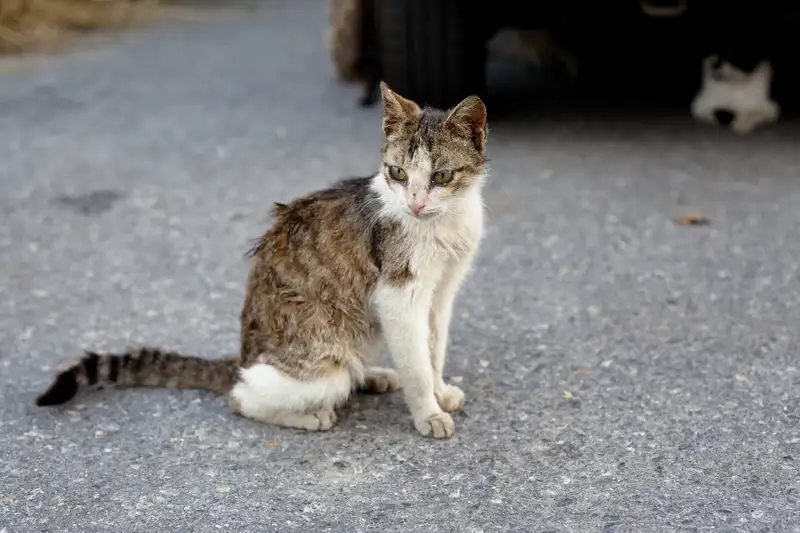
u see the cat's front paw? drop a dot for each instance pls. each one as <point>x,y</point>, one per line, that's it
<point>437,425</point>
<point>450,398</point>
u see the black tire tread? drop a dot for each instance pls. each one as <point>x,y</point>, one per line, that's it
<point>431,50</point>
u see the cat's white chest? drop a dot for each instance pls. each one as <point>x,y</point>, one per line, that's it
<point>440,246</point>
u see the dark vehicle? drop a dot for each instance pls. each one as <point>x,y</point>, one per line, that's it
<point>434,51</point>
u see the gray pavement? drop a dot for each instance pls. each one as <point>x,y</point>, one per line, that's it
<point>623,373</point>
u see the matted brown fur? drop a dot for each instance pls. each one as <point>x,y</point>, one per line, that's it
<point>311,280</point>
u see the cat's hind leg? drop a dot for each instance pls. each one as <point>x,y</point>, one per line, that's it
<point>379,380</point>
<point>265,394</point>
<point>376,379</point>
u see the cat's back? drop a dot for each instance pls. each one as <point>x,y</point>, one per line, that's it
<point>320,238</point>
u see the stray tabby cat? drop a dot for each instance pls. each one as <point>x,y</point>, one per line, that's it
<point>342,271</point>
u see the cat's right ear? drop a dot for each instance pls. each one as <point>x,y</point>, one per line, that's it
<point>396,109</point>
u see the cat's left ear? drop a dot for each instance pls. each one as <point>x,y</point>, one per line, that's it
<point>468,119</point>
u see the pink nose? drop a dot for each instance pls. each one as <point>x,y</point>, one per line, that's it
<point>416,207</point>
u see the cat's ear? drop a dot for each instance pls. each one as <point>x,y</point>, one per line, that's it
<point>468,119</point>
<point>396,109</point>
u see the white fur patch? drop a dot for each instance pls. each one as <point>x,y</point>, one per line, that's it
<point>725,88</point>
<point>447,240</point>
<point>263,390</point>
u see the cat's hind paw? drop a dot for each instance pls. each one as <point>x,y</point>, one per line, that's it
<point>380,381</point>
<point>450,398</point>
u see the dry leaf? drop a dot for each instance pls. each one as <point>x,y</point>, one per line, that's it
<point>568,396</point>
<point>272,443</point>
<point>692,219</point>
<point>740,377</point>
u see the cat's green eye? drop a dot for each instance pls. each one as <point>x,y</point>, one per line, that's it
<point>397,174</point>
<point>443,177</point>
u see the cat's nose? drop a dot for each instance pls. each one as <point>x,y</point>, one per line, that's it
<point>724,117</point>
<point>416,200</point>
<point>416,207</point>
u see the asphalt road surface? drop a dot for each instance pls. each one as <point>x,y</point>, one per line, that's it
<point>623,372</point>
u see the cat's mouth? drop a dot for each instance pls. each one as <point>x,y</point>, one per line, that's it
<point>424,214</point>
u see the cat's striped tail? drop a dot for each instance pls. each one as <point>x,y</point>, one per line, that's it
<point>142,367</point>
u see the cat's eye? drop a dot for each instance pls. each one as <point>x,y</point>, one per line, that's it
<point>397,174</point>
<point>442,177</point>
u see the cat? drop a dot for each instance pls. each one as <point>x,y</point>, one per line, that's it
<point>343,271</point>
<point>736,94</point>
<point>749,78</point>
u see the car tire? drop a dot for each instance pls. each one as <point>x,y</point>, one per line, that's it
<point>431,51</point>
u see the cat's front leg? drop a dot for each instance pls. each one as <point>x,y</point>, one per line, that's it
<point>450,397</point>
<point>404,312</point>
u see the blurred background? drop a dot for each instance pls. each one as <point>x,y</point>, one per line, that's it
<point>627,340</point>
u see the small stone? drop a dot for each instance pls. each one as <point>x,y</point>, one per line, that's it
<point>223,490</point>
<point>457,379</point>
<point>99,434</point>
<point>568,396</point>
<point>484,363</point>
<point>692,219</point>
<point>740,377</point>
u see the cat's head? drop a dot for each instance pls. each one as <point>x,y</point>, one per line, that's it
<point>736,69</point>
<point>432,159</point>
